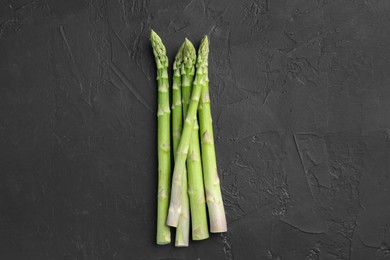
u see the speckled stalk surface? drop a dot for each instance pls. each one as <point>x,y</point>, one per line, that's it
<point>163,235</point>
<point>183,227</point>
<point>196,193</point>
<point>214,199</point>
<point>182,151</point>
<point>300,99</point>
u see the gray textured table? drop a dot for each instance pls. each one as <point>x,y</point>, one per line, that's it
<point>301,104</point>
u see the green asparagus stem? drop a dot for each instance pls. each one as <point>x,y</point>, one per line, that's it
<point>194,164</point>
<point>163,139</point>
<point>211,180</point>
<point>177,107</point>
<point>182,151</point>
<point>183,227</point>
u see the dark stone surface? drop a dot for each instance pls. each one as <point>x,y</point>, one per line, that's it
<point>301,105</point>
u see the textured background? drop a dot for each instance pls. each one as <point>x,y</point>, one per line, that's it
<point>301,105</point>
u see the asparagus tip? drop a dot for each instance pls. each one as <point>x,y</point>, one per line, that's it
<point>203,52</point>
<point>189,54</point>
<point>188,44</point>
<point>204,42</point>
<point>158,48</point>
<point>179,58</point>
<point>153,35</point>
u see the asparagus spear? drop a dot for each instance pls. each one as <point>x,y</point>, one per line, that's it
<point>211,180</point>
<point>183,227</point>
<point>177,106</point>
<point>163,139</point>
<point>194,164</point>
<point>182,151</point>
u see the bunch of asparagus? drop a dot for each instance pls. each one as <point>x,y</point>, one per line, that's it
<point>195,178</point>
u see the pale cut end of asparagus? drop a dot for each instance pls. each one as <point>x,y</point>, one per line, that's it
<point>216,209</point>
<point>174,214</point>
<point>183,227</point>
<point>164,240</point>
